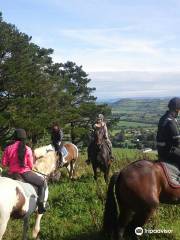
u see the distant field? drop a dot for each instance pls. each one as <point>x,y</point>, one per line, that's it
<point>134,124</point>
<point>77,206</point>
<point>144,105</point>
<point>139,110</point>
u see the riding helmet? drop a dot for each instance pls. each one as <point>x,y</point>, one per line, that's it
<point>174,103</point>
<point>100,117</point>
<point>20,134</point>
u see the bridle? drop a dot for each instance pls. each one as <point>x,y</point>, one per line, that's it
<point>99,133</point>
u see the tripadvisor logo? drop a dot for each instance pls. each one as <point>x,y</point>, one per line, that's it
<point>139,231</point>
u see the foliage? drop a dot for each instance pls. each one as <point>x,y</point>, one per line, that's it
<point>35,92</point>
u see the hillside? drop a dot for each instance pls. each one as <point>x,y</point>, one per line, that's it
<point>140,110</point>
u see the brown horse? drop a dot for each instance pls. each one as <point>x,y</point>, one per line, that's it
<point>69,161</point>
<point>100,157</point>
<point>137,191</point>
<point>48,162</point>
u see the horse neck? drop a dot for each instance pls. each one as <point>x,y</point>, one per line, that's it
<point>47,164</point>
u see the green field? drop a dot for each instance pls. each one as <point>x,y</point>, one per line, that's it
<point>77,207</point>
<point>139,110</point>
<point>132,124</point>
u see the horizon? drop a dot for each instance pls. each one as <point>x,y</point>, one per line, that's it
<point>114,100</point>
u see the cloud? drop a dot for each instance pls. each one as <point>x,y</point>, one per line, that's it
<point>135,84</point>
<point>112,49</point>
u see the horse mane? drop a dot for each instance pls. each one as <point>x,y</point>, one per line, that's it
<point>47,163</point>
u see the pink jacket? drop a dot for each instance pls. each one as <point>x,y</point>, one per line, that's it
<point>10,159</point>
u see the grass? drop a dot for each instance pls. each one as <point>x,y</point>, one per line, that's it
<point>133,124</point>
<point>77,206</point>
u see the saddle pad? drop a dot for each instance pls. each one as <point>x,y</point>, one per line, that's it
<point>172,173</point>
<point>64,152</point>
<point>28,189</point>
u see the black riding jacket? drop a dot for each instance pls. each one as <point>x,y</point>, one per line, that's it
<point>168,137</point>
<point>56,138</point>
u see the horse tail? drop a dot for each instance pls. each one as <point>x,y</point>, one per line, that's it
<point>111,208</point>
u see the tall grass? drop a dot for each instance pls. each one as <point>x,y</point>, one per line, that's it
<point>77,206</point>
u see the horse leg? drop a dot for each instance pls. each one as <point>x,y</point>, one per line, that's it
<point>106,175</point>
<point>74,172</point>
<point>122,223</point>
<point>25,228</point>
<point>71,170</point>
<point>95,171</point>
<point>139,219</point>
<point>36,228</point>
<point>4,218</point>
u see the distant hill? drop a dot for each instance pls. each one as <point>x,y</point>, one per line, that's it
<point>144,104</point>
<point>141,110</point>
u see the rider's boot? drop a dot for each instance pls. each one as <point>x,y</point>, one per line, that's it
<point>60,159</point>
<point>111,156</point>
<point>41,208</point>
<point>41,202</point>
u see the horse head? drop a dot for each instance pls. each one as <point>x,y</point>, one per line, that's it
<point>46,164</point>
<point>99,136</point>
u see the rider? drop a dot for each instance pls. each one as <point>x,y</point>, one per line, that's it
<point>100,123</point>
<point>168,135</point>
<point>56,138</point>
<point>18,157</point>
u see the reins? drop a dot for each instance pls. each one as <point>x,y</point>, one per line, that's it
<point>45,175</point>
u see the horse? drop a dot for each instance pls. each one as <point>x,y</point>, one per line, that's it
<point>47,164</point>
<point>100,156</point>
<point>136,191</point>
<point>18,201</point>
<point>48,161</point>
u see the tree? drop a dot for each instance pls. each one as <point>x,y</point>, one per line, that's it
<point>24,83</point>
<point>77,105</point>
<point>34,91</point>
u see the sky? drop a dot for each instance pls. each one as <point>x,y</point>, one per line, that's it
<point>129,48</point>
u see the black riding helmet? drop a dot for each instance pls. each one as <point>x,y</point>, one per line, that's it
<point>174,104</point>
<point>19,134</point>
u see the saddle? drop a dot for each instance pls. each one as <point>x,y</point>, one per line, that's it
<point>172,173</point>
<point>27,189</point>
<point>62,155</point>
<point>64,152</point>
<point>30,192</point>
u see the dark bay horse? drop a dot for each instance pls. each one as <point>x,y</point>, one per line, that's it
<point>136,192</point>
<point>100,157</point>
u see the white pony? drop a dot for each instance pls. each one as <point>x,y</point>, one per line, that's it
<point>47,161</point>
<point>18,200</point>
<point>42,151</point>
